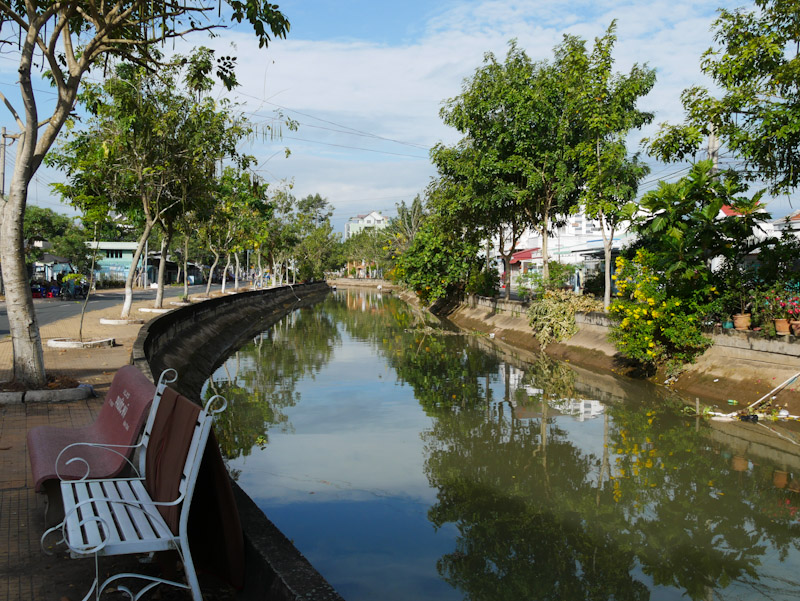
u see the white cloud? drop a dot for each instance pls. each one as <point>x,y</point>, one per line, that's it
<point>396,91</point>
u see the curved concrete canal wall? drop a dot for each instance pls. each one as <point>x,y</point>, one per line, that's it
<point>195,340</point>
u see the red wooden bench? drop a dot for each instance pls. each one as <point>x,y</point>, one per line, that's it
<point>99,450</point>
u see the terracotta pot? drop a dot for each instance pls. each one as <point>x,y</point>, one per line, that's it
<point>780,479</point>
<point>781,326</point>
<point>741,321</point>
<point>795,325</point>
<point>739,463</point>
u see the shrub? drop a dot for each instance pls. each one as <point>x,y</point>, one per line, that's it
<point>654,327</point>
<point>484,283</point>
<point>532,282</point>
<point>552,317</point>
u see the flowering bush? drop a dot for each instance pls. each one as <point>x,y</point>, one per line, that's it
<point>777,303</point>
<point>654,327</point>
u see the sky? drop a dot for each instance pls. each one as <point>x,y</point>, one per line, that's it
<point>365,81</point>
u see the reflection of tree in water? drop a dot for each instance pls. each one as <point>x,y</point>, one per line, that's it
<point>259,380</point>
<point>539,518</point>
<point>699,522</point>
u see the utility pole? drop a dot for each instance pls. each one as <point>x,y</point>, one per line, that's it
<point>713,149</point>
<point>3,163</point>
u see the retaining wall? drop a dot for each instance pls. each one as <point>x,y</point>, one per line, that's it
<point>195,340</point>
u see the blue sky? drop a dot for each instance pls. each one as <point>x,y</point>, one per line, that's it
<point>365,80</point>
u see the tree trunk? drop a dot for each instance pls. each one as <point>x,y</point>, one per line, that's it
<point>22,323</point>
<point>162,268</point>
<point>545,253</point>
<point>236,273</point>
<point>89,288</point>
<point>211,271</point>
<point>225,272</point>
<point>186,268</point>
<point>126,305</point>
<point>608,240</point>
<point>507,276</point>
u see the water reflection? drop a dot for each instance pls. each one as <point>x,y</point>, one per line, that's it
<point>407,462</point>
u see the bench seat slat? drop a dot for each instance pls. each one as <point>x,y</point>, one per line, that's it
<point>102,510</point>
<point>126,529</point>
<point>132,529</point>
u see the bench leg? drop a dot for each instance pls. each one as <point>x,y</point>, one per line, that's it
<point>53,504</point>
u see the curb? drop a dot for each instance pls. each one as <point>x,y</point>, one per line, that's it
<point>120,322</point>
<point>153,310</point>
<point>70,343</point>
<point>46,396</point>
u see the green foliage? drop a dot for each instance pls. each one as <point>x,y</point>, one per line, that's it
<point>683,231</point>
<point>552,317</point>
<point>533,282</point>
<point>754,65</point>
<point>485,282</point>
<point>438,263</point>
<point>654,326</point>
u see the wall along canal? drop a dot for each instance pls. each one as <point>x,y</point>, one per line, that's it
<point>409,461</point>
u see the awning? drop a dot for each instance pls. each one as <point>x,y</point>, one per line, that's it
<point>524,255</point>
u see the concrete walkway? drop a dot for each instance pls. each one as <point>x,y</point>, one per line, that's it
<point>26,573</point>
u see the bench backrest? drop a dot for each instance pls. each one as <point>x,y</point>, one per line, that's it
<point>126,406</point>
<point>167,377</point>
<point>176,442</point>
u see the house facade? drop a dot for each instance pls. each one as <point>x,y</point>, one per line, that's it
<point>578,242</point>
<point>359,223</point>
<point>114,260</point>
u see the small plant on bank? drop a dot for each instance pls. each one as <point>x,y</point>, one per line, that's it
<point>484,283</point>
<point>532,283</point>
<point>653,327</point>
<point>552,317</point>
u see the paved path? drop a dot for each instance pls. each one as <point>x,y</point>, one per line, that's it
<point>26,573</point>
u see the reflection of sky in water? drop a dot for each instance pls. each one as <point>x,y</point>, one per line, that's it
<point>348,485</point>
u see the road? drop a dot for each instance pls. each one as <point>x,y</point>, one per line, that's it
<point>49,310</point>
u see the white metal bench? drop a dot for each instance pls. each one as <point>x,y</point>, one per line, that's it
<point>118,516</point>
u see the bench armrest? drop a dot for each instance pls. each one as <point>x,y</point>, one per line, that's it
<point>111,448</point>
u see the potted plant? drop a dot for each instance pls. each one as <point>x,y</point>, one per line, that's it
<point>737,282</point>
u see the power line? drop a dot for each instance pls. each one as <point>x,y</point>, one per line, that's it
<point>346,127</point>
<point>413,156</point>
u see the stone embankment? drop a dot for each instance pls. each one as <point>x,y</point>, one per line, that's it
<point>741,366</point>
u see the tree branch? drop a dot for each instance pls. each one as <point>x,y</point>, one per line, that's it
<point>13,111</point>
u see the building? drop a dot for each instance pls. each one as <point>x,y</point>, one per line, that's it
<point>114,259</point>
<point>373,220</point>
<point>579,241</point>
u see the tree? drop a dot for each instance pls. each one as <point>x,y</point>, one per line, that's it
<point>608,105</point>
<point>42,225</point>
<point>72,37</point>
<point>522,125</point>
<point>316,247</point>
<point>755,65</point>
<point>442,255</point>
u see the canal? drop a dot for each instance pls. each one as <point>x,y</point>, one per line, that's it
<point>407,460</point>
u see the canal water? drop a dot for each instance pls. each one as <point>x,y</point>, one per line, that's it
<point>407,460</point>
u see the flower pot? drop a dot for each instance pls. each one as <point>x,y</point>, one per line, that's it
<point>795,326</point>
<point>781,326</point>
<point>741,321</point>
<point>739,463</point>
<point>780,479</point>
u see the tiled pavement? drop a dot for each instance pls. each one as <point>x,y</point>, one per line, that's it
<point>26,573</point>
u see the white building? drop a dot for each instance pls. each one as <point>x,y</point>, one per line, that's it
<point>578,242</point>
<point>373,220</point>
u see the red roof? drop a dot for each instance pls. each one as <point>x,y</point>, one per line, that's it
<point>729,211</point>
<point>523,255</point>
